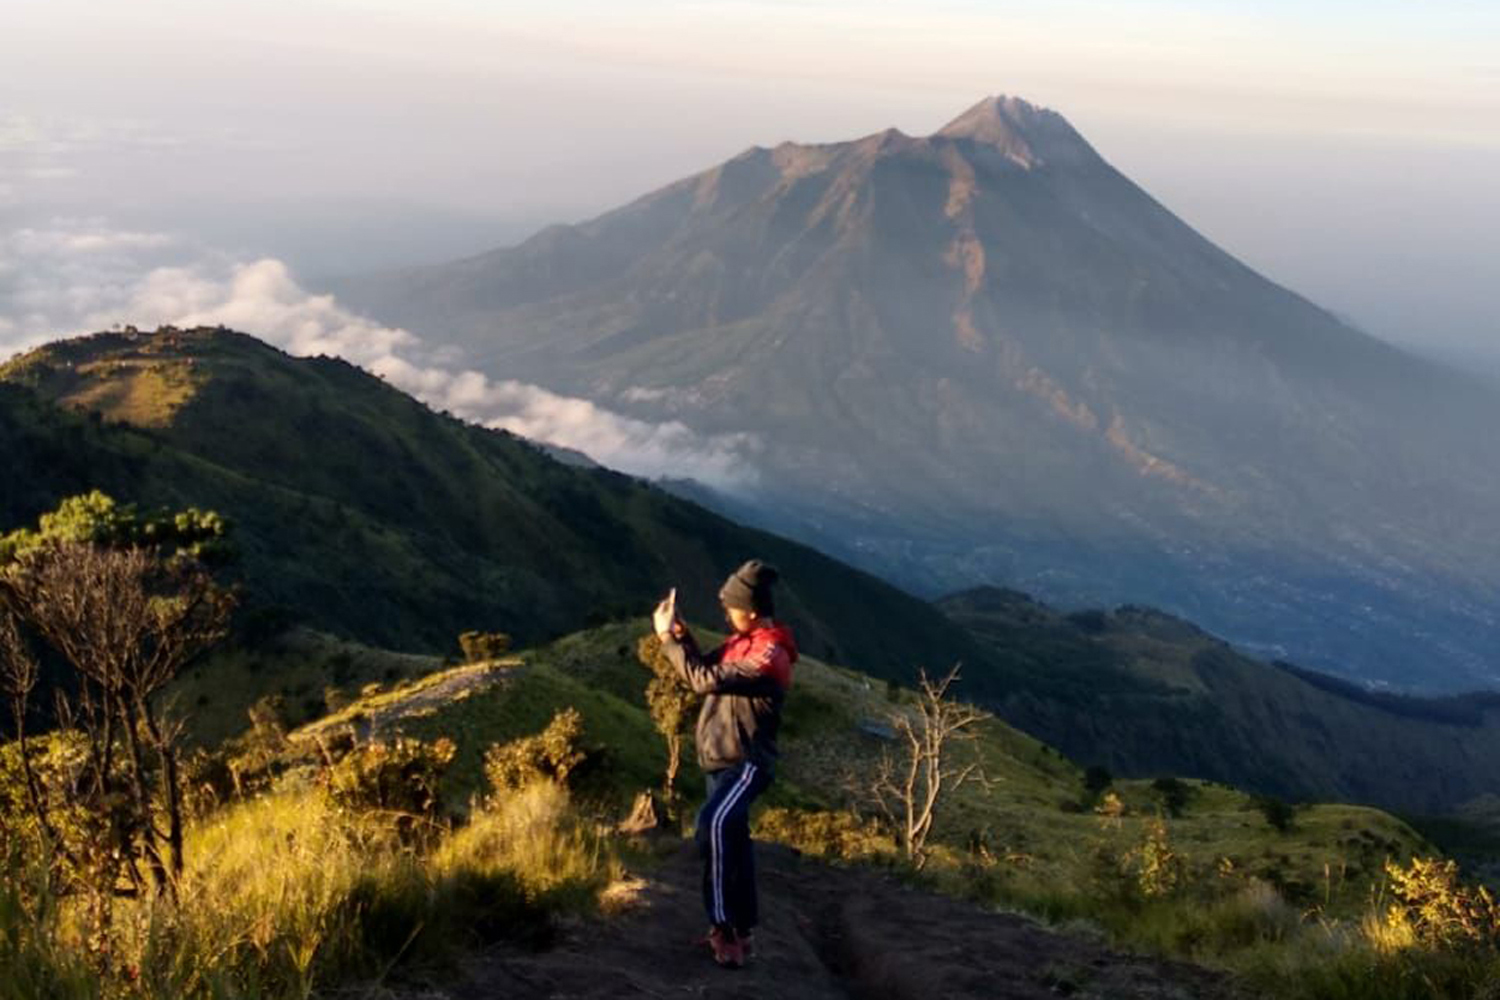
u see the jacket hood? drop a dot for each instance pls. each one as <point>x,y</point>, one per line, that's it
<point>782,635</point>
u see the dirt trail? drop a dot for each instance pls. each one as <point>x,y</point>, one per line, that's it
<point>826,932</point>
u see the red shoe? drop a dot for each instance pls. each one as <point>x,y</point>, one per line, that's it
<point>747,943</point>
<point>728,952</point>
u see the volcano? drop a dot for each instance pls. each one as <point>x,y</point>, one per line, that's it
<point>986,355</point>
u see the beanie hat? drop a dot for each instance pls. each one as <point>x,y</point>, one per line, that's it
<point>749,588</point>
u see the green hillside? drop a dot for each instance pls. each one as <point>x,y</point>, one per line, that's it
<point>1145,693</point>
<point>1035,821</point>
<point>310,876</point>
<point>361,512</point>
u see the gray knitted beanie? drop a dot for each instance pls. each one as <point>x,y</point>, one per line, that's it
<point>749,588</point>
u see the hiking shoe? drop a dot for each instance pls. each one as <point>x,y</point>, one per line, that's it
<point>728,952</point>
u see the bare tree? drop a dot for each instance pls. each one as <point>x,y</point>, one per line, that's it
<point>127,620</point>
<point>910,785</point>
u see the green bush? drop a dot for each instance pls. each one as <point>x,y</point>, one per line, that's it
<point>1173,793</point>
<point>1278,812</point>
<point>480,646</point>
<point>399,777</point>
<point>551,755</point>
<point>1096,779</point>
<point>837,835</point>
<point>672,705</point>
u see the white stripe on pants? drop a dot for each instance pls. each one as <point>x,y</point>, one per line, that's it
<point>716,839</point>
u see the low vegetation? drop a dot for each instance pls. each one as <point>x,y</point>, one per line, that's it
<point>346,872</point>
<point>429,815</point>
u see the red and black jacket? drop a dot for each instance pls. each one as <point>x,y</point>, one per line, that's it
<point>744,682</point>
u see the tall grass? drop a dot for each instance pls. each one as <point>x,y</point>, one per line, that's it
<point>533,835</point>
<point>1272,947</point>
<point>288,894</point>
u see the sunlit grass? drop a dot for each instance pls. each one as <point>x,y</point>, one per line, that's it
<point>287,895</point>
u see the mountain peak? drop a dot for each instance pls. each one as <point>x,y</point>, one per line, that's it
<point>1028,134</point>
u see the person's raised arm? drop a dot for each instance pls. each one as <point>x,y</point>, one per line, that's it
<point>710,673</point>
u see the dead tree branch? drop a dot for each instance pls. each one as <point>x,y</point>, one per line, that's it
<point>910,786</point>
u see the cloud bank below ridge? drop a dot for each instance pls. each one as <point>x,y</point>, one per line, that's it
<point>76,276</point>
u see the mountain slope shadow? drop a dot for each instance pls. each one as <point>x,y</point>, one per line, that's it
<point>826,932</point>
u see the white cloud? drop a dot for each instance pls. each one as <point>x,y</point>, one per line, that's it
<point>78,276</point>
<point>70,240</point>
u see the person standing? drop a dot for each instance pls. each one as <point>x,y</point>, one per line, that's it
<point>744,682</point>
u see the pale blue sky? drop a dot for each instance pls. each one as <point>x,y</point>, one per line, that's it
<point>1346,149</point>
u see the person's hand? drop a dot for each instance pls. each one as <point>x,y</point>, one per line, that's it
<point>664,618</point>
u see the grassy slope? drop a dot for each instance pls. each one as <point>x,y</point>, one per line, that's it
<point>1145,694</point>
<point>310,675</point>
<point>1031,817</point>
<point>360,511</point>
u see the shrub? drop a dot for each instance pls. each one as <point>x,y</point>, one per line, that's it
<point>56,759</point>
<point>1096,779</point>
<point>1111,809</point>
<point>671,703</point>
<point>1158,868</point>
<point>550,755</point>
<point>1433,908</point>
<point>1278,812</point>
<point>480,646</point>
<point>400,777</point>
<point>1173,793</point>
<point>839,835</point>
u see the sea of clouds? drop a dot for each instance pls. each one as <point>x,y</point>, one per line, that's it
<point>79,275</point>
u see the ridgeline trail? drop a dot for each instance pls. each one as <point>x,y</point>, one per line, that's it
<point>826,932</point>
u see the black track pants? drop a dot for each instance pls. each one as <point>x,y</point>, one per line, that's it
<point>724,844</point>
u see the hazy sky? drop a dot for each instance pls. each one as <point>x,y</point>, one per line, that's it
<point>1350,150</point>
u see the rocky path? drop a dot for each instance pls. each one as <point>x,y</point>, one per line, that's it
<point>826,932</point>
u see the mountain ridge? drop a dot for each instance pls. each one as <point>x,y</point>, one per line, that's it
<point>362,512</point>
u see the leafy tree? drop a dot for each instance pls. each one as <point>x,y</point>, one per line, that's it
<point>95,518</point>
<point>126,608</point>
